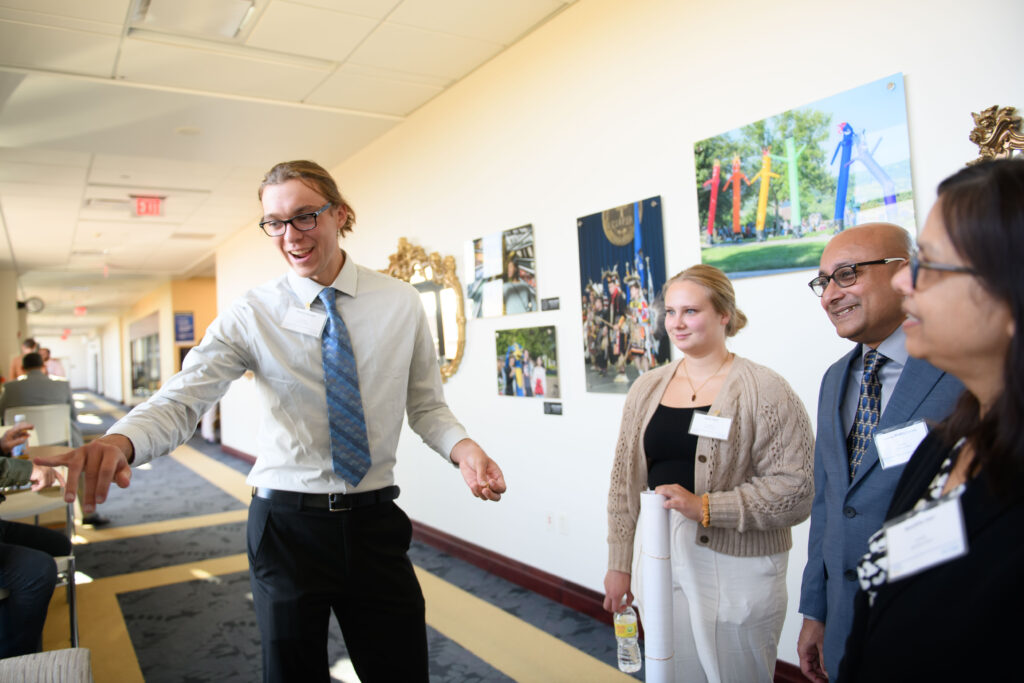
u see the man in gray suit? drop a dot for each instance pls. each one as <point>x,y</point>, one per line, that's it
<point>36,389</point>
<point>875,387</point>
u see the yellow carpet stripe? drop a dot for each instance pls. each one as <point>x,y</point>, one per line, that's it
<point>520,650</point>
<point>90,535</point>
<point>229,480</point>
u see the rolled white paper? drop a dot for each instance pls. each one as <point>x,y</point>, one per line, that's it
<point>656,588</point>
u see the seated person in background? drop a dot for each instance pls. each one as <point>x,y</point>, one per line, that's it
<point>53,367</point>
<point>949,615</point>
<point>28,346</point>
<point>27,569</point>
<point>36,389</point>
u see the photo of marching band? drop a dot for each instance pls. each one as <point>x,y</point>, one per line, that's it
<point>622,270</point>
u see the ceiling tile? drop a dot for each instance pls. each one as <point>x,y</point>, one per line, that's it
<point>38,47</point>
<point>180,66</point>
<point>377,9</point>
<point>369,93</point>
<point>110,169</point>
<point>416,51</point>
<point>497,22</point>
<point>109,11</point>
<point>19,173</point>
<point>310,31</point>
<point>120,120</point>
<point>51,157</point>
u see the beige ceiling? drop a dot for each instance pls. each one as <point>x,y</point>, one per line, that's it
<point>99,105</point>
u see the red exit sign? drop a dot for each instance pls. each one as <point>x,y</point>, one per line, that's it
<point>148,206</point>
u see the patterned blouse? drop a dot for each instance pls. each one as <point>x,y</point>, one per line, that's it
<point>873,569</point>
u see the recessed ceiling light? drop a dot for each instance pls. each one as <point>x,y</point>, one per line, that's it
<point>206,18</point>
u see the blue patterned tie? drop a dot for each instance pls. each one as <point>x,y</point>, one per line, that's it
<point>869,407</point>
<point>350,451</point>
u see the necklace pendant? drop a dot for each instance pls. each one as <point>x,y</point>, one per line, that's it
<point>694,397</point>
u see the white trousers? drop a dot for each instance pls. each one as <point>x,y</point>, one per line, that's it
<point>727,611</point>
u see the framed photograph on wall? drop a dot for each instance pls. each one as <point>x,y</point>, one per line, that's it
<point>527,362</point>
<point>771,194</point>
<point>501,273</point>
<point>622,271</point>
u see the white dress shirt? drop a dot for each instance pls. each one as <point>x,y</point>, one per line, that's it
<point>395,357</point>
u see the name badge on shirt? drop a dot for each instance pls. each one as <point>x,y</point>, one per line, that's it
<point>896,444</point>
<point>304,322</point>
<point>710,426</point>
<point>924,538</point>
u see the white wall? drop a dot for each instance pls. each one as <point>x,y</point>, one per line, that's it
<point>600,107</point>
<point>247,259</point>
<point>73,355</point>
<point>110,362</point>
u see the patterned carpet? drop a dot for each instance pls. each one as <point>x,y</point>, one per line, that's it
<point>166,591</point>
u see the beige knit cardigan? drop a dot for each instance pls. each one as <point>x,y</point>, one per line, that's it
<point>760,480</point>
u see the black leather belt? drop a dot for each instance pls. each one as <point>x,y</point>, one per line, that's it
<point>335,502</point>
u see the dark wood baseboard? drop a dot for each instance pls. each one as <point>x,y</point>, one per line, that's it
<point>238,454</point>
<point>788,673</point>
<point>567,593</point>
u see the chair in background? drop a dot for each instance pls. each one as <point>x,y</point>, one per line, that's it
<point>52,422</point>
<point>54,666</point>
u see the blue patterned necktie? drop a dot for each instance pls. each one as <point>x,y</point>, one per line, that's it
<point>869,407</point>
<point>350,450</point>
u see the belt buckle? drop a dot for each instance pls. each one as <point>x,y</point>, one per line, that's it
<point>336,503</point>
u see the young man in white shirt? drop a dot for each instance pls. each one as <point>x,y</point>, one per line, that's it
<point>319,541</point>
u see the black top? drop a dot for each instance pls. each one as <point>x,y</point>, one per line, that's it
<point>956,621</point>
<point>671,449</point>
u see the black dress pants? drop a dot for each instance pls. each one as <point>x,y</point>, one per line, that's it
<point>304,564</point>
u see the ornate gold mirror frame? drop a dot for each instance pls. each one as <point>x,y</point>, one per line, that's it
<point>997,133</point>
<point>435,278</point>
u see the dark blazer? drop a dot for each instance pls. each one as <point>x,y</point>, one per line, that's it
<point>846,513</point>
<point>957,621</point>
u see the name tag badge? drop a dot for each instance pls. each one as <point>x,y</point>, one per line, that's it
<point>896,444</point>
<point>924,538</point>
<point>711,426</point>
<point>304,322</point>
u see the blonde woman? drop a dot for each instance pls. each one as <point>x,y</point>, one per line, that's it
<point>732,500</point>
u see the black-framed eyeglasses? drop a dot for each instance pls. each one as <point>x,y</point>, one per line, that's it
<point>845,276</point>
<point>303,222</point>
<point>916,264</point>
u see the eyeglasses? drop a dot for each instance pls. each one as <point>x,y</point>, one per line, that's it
<point>916,264</point>
<point>303,222</point>
<point>845,276</point>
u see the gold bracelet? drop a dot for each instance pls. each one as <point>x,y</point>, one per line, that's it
<point>706,507</point>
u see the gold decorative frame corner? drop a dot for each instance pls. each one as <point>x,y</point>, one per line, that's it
<point>997,133</point>
<point>410,260</point>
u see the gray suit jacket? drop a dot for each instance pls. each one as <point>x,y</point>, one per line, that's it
<point>36,389</point>
<point>846,513</point>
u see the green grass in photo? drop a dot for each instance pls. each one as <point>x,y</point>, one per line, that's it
<point>737,258</point>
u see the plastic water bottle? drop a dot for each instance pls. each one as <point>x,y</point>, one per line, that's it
<point>626,633</point>
<point>18,450</point>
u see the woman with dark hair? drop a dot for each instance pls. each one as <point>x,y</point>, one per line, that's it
<point>942,581</point>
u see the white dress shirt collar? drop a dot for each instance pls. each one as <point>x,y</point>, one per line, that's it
<point>308,290</point>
